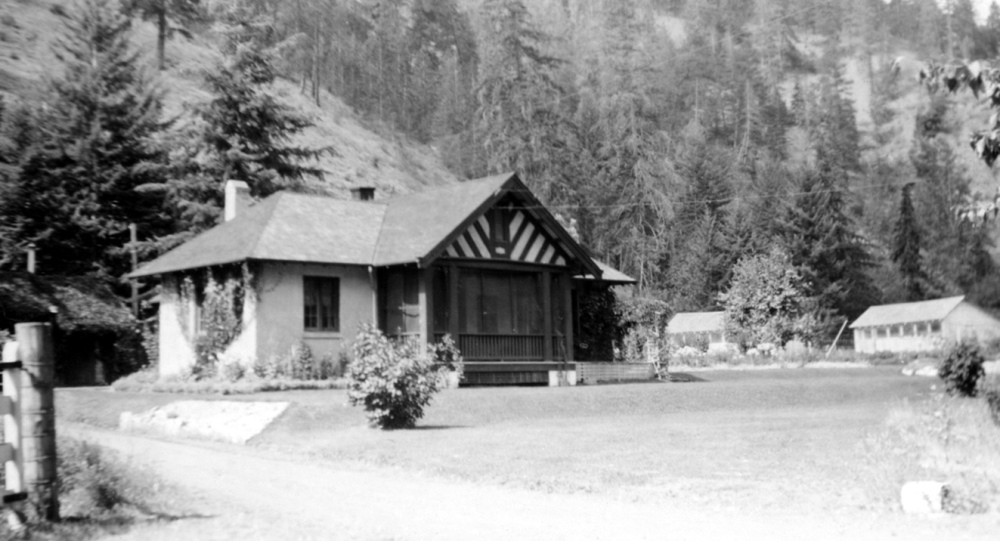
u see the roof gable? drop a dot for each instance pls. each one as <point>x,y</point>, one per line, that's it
<point>907,312</point>
<point>527,240</point>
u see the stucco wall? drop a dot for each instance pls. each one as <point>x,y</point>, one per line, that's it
<point>176,352</point>
<point>279,322</point>
<point>970,322</point>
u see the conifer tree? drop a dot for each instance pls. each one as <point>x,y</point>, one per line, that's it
<point>76,190</point>
<point>518,118</point>
<point>243,133</point>
<point>822,240</point>
<point>170,16</point>
<point>632,178</point>
<point>906,248</point>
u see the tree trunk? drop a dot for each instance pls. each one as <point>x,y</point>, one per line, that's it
<point>161,37</point>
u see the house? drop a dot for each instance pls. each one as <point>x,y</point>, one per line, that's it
<point>482,260</point>
<point>92,327</point>
<point>922,326</point>
<point>703,330</point>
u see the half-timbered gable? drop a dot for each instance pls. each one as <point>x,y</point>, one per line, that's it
<point>512,234</point>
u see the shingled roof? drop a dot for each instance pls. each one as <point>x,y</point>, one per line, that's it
<point>907,312</point>
<point>80,303</point>
<point>318,229</point>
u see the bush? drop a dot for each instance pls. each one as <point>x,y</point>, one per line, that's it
<point>990,390</point>
<point>446,354</point>
<point>962,369</point>
<point>94,481</point>
<point>392,380</point>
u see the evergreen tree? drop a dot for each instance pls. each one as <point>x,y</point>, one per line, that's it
<point>518,118</point>
<point>906,248</point>
<point>170,16</point>
<point>245,134</point>
<point>76,189</point>
<point>632,178</point>
<point>823,242</point>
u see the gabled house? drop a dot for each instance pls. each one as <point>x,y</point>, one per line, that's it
<point>482,260</point>
<point>922,326</point>
<point>697,329</point>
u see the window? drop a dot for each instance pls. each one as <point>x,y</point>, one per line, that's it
<point>881,332</point>
<point>322,303</point>
<point>935,326</point>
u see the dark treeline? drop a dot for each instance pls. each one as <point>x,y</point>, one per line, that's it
<point>675,157</point>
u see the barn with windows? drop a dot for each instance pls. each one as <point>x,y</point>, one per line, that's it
<point>482,260</point>
<point>698,329</point>
<point>922,326</point>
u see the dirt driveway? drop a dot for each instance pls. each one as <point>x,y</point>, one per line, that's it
<point>247,494</point>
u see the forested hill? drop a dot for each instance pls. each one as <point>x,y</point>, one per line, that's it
<point>682,136</point>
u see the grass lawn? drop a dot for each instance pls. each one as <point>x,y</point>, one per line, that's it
<point>770,439</point>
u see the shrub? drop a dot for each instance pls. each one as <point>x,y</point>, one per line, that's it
<point>962,369</point>
<point>151,343</point>
<point>303,364</point>
<point>990,389</point>
<point>232,371</point>
<point>392,380</point>
<point>94,481</point>
<point>446,354</point>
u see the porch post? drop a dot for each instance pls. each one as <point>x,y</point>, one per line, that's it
<point>547,314</point>
<point>425,298</point>
<point>453,324</point>
<point>567,288</point>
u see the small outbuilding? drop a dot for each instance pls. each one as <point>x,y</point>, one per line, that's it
<point>922,326</point>
<point>698,329</point>
<point>97,339</point>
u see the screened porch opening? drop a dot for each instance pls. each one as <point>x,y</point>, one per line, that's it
<point>500,313</point>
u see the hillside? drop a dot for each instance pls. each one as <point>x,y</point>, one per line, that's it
<point>364,154</point>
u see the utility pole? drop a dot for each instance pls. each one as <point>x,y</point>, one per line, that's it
<point>133,238</point>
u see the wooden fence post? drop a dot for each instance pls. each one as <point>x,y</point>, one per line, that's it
<point>38,423</point>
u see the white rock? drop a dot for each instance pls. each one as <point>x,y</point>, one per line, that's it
<point>991,367</point>
<point>231,421</point>
<point>922,497</point>
<point>921,368</point>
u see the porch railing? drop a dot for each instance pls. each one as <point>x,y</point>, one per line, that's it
<point>506,347</point>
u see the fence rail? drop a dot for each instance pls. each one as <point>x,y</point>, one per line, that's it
<point>506,347</point>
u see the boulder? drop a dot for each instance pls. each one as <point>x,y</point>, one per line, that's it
<point>923,497</point>
<point>921,367</point>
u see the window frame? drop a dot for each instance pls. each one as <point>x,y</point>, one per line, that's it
<point>317,293</point>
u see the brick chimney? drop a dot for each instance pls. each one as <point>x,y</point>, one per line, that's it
<point>363,193</point>
<point>237,198</point>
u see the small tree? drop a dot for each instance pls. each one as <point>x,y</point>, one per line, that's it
<point>906,248</point>
<point>392,380</point>
<point>962,369</point>
<point>766,301</point>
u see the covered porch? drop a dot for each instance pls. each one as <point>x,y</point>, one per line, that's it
<point>512,321</point>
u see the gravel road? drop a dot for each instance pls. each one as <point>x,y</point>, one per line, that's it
<point>241,493</point>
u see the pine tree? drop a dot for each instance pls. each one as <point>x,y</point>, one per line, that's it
<point>248,130</point>
<point>519,121</point>
<point>906,248</point>
<point>76,190</point>
<point>170,17</point>
<point>632,178</point>
<point>822,240</point>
